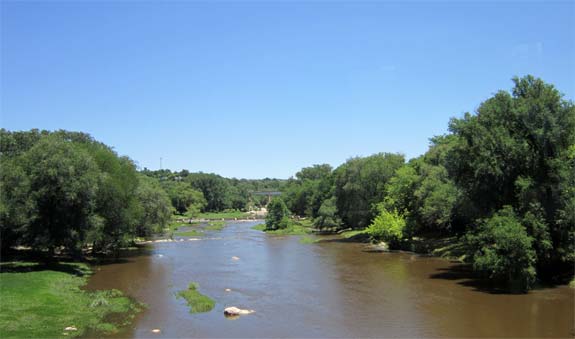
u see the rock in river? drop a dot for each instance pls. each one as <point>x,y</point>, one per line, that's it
<point>234,311</point>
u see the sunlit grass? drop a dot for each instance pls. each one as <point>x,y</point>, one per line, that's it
<point>197,301</point>
<point>41,301</point>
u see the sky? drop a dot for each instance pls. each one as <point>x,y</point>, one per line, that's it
<point>262,89</point>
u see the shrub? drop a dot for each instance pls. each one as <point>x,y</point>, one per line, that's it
<point>278,213</point>
<point>502,249</point>
<point>387,226</point>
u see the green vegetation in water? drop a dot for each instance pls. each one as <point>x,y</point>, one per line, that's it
<point>215,226</point>
<point>176,225</point>
<point>354,234</point>
<point>41,301</point>
<point>198,302</point>
<point>259,227</point>
<point>190,233</point>
<point>293,228</point>
<point>308,240</point>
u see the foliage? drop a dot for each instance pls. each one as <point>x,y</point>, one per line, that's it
<point>155,207</point>
<point>198,302</point>
<point>516,151</point>
<point>184,198</point>
<point>327,215</point>
<point>278,215</point>
<point>64,190</point>
<point>360,184</point>
<point>305,194</point>
<point>502,249</point>
<point>387,226</point>
<point>39,302</point>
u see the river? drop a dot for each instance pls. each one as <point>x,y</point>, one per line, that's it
<point>325,289</point>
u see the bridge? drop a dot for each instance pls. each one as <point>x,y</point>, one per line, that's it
<point>269,194</point>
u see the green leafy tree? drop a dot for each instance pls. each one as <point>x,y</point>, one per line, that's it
<point>305,194</point>
<point>216,190</point>
<point>502,249</point>
<point>16,205</point>
<point>184,198</point>
<point>360,185</point>
<point>63,187</point>
<point>327,215</point>
<point>387,226</point>
<point>155,207</point>
<point>278,215</point>
<point>515,151</point>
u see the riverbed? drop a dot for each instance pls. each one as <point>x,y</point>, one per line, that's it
<point>325,289</point>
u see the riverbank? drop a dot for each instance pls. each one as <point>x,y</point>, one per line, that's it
<point>48,301</point>
<point>299,227</point>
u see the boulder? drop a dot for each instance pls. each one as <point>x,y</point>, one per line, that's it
<point>234,311</point>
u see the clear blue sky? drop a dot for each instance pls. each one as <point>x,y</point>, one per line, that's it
<point>261,89</point>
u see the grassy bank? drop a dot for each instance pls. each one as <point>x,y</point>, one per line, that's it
<point>190,233</point>
<point>301,227</point>
<point>42,301</point>
<point>197,301</point>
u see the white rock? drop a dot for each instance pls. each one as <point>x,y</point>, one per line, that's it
<point>234,311</point>
<point>71,328</point>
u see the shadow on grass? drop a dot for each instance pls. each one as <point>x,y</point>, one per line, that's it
<point>20,261</point>
<point>23,267</point>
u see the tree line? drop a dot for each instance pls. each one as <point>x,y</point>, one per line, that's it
<point>502,180</point>
<point>66,191</point>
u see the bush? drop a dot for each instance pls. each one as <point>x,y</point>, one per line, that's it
<point>502,249</point>
<point>278,213</point>
<point>387,226</point>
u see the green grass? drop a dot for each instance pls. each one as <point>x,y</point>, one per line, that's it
<point>353,233</point>
<point>223,215</point>
<point>40,301</point>
<point>307,240</point>
<point>175,225</point>
<point>301,227</point>
<point>197,301</point>
<point>259,227</point>
<point>190,233</point>
<point>215,225</point>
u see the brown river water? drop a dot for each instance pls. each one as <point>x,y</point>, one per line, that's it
<point>325,289</point>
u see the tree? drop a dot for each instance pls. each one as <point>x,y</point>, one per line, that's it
<point>515,151</point>
<point>216,190</point>
<point>305,194</point>
<point>278,215</point>
<point>117,205</point>
<point>502,249</point>
<point>184,198</point>
<point>155,207</point>
<point>360,185</point>
<point>327,215</point>
<point>63,187</point>
<point>387,226</point>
